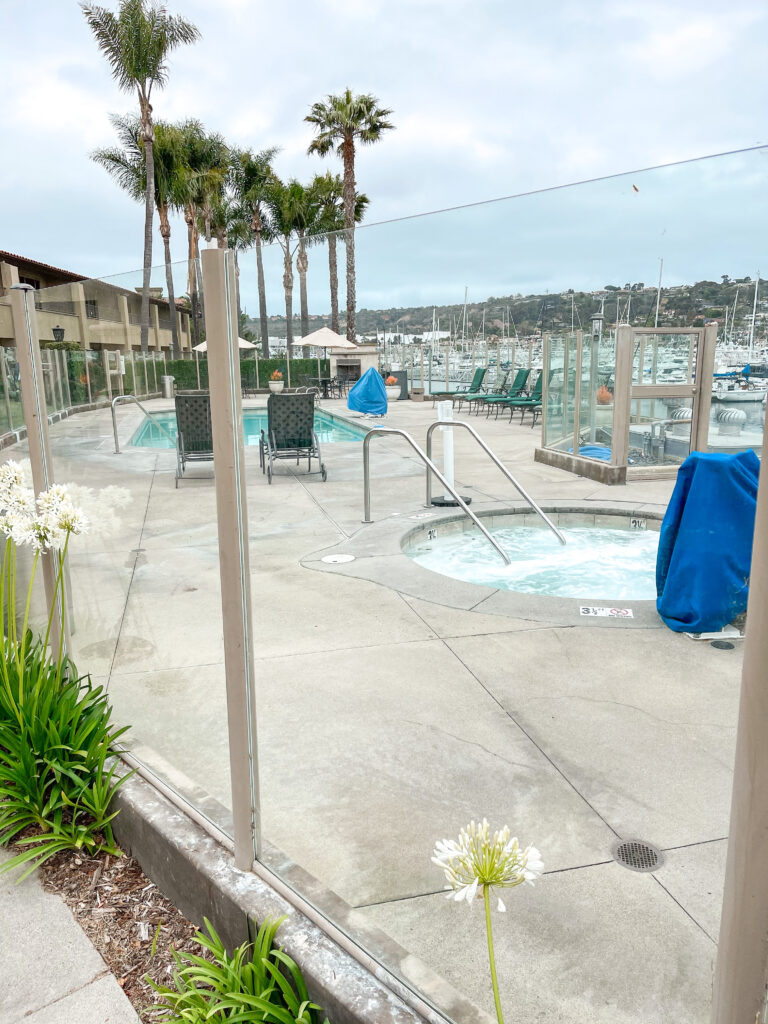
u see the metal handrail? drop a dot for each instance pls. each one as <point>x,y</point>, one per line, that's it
<point>430,466</point>
<point>502,467</point>
<point>147,413</point>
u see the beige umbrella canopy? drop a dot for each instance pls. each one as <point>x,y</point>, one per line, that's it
<point>323,338</point>
<point>203,346</point>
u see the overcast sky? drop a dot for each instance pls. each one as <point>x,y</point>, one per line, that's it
<point>490,98</point>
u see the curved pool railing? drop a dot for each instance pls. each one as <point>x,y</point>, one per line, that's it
<point>496,461</point>
<point>430,467</point>
<point>132,398</point>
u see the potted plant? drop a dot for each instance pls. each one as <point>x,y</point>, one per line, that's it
<point>604,395</point>
<point>392,387</point>
<point>276,381</point>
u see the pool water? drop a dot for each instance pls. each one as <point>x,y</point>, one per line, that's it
<point>603,563</point>
<point>329,429</point>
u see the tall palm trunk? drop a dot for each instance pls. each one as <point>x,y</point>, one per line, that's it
<point>165,231</point>
<point>333,270</point>
<point>288,286</point>
<point>349,236</point>
<point>190,216</point>
<point>262,299</point>
<point>149,209</point>
<point>302,263</point>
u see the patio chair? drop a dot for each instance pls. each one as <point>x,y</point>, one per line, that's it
<point>477,383</point>
<point>479,397</point>
<point>532,402</point>
<point>516,391</point>
<point>194,438</point>
<point>290,433</point>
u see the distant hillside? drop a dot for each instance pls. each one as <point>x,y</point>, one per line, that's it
<point>681,306</point>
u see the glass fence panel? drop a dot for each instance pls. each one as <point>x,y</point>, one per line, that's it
<point>397,703</point>
<point>145,591</point>
<point>369,668</point>
<point>664,358</point>
<point>554,428</point>
<point>737,419</point>
<point>660,431</point>
<point>596,397</point>
<point>8,390</point>
<point>97,379</point>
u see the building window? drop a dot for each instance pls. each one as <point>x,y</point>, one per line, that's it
<point>92,309</point>
<point>29,280</point>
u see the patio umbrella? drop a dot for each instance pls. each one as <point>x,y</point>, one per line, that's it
<point>242,343</point>
<point>324,338</point>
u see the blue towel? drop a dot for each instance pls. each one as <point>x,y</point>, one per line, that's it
<point>368,395</point>
<point>705,545</point>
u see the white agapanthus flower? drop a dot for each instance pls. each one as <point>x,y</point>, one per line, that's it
<point>45,523</point>
<point>478,860</point>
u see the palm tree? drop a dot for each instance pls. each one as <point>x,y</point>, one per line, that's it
<point>136,42</point>
<point>229,221</point>
<point>330,192</point>
<point>251,177</point>
<point>128,167</point>
<point>287,204</point>
<point>339,122</point>
<point>308,225</point>
<point>203,170</point>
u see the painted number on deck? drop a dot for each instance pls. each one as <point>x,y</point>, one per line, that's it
<point>607,613</point>
<point>636,524</point>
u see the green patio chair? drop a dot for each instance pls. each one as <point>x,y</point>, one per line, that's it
<point>532,402</point>
<point>496,402</point>
<point>478,397</point>
<point>194,437</point>
<point>477,383</point>
<point>290,433</point>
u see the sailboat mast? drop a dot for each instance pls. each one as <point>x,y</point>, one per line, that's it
<point>658,291</point>
<point>754,316</point>
<point>733,317</point>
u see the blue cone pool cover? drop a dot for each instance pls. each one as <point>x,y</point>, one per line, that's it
<point>705,545</point>
<point>368,395</point>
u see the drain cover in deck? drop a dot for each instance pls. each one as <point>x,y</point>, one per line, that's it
<point>637,855</point>
<point>337,559</point>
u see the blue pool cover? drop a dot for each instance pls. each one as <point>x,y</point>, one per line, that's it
<point>369,394</point>
<point>705,545</point>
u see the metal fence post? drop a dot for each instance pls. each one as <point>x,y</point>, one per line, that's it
<point>739,993</point>
<point>36,420</point>
<point>219,289</point>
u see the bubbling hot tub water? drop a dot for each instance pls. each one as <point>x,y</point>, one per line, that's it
<point>604,563</point>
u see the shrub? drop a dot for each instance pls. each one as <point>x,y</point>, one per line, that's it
<point>55,732</point>
<point>258,983</point>
<point>55,739</point>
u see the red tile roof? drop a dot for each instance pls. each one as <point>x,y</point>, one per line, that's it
<point>13,257</point>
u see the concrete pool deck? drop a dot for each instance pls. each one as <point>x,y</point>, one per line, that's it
<point>389,720</point>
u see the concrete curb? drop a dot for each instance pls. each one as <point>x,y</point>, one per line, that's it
<point>199,877</point>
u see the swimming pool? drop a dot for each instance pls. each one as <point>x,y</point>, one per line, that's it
<point>329,429</point>
<point>613,558</point>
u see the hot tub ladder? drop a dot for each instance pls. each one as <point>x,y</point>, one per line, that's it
<point>431,467</point>
<point>494,459</point>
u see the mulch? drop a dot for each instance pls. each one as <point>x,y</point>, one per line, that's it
<point>134,927</point>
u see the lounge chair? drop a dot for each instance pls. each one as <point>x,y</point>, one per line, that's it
<point>516,391</point>
<point>290,433</point>
<point>194,440</point>
<point>478,397</point>
<point>477,383</point>
<point>532,402</point>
